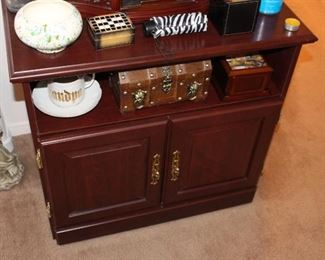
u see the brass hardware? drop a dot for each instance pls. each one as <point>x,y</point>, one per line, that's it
<point>175,165</point>
<point>167,80</point>
<point>139,98</point>
<point>193,89</point>
<point>39,159</point>
<point>48,209</point>
<point>167,86</point>
<point>155,174</point>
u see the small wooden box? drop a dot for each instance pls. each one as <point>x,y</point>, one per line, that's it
<point>111,30</point>
<point>161,85</point>
<point>242,77</point>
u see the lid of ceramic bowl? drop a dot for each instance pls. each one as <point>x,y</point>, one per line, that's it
<point>48,10</point>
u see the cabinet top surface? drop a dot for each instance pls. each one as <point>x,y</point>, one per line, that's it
<point>27,64</point>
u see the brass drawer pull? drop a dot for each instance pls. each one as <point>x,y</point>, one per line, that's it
<point>155,174</point>
<point>175,165</point>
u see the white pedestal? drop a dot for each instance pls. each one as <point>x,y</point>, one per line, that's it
<point>6,139</point>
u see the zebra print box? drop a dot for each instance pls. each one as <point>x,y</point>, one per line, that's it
<point>160,26</point>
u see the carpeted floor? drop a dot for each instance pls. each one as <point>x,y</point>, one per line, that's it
<point>285,221</point>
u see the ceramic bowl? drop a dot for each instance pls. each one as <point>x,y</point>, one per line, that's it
<point>48,25</point>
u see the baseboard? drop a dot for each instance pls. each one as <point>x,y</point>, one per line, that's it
<point>7,143</point>
<point>20,128</point>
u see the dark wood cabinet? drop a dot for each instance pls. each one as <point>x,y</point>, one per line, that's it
<point>105,172</point>
<point>118,171</point>
<point>216,152</point>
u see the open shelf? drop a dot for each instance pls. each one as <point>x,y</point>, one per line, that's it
<point>282,61</point>
<point>107,111</point>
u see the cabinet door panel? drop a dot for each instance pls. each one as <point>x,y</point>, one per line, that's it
<point>105,175</point>
<point>218,152</point>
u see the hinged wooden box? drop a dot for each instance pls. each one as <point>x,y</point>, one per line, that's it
<point>242,77</point>
<point>111,30</point>
<point>161,85</point>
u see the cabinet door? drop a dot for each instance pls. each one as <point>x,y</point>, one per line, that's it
<point>216,152</point>
<point>105,174</point>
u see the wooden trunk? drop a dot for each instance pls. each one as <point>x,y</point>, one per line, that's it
<point>161,85</point>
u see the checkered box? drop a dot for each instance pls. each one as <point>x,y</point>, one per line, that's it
<point>111,30</point>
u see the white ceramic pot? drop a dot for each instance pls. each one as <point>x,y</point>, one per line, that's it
<point>48,25</point>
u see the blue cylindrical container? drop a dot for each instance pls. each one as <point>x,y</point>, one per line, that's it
<point>270,6</point>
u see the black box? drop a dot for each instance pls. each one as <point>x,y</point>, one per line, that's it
<point>234,16</point>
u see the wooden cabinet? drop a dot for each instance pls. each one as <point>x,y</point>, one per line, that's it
<point>120,171</point>
<point>105,172</point>
<point>212,153</point>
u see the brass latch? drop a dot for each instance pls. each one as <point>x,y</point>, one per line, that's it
<point>193,89</point>
<point>175,165</point>
<point>155,174</point>
<point>139,98</point>
<point>167,80</point>
<point>48,209</point>
<point>39,159</point>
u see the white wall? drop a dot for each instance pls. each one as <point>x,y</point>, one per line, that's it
<point>13,112</point>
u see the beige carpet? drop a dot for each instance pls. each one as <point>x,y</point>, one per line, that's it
<point>285,221</point>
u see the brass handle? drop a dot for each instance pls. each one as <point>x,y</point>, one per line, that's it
<point>39,159</point>
<point>175,165</point>
<point>155,174</point>
<point>139,98</point>
<point>193,89</point>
